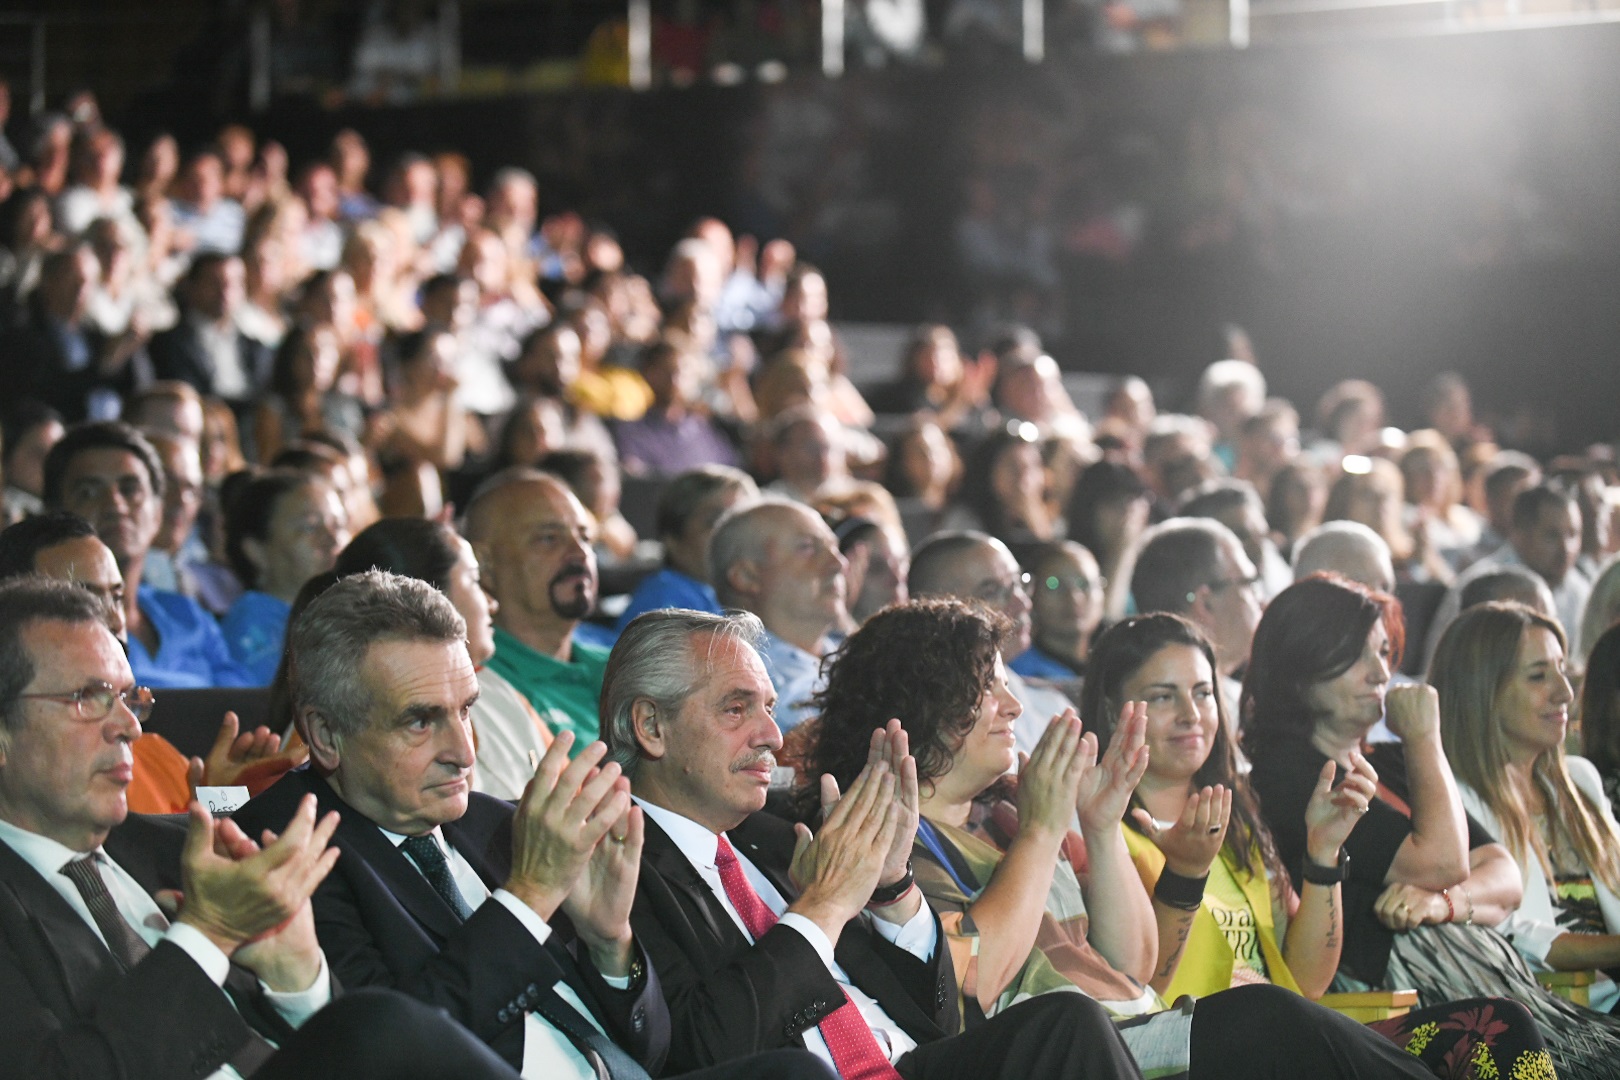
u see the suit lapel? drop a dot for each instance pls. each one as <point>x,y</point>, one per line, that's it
<point>662,854</point>
<point>62,934</point>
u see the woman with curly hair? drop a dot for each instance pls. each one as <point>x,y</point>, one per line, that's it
<point>1239,921</point>
<point>1504,713</point>
<point>1425,883</point>
<point>1027,905</point>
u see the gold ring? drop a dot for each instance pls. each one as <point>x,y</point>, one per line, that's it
<point>616,839</point>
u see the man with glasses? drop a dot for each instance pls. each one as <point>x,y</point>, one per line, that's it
<point>1066,594</point>
<point>106,969</point>
<point>1197,568</point>
<point>977,566</point>
<point>63,546</point>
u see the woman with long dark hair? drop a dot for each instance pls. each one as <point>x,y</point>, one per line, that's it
<point>1424,882</point>
<point>1248,924</point>
<point>1027,906</point>
<point>1600,709</point>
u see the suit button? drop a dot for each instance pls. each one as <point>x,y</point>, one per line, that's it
<point>504,1016</point>
<point>533,990</point>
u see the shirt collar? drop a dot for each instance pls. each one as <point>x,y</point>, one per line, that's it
<point>45,855</point>
<point>399,838</point>
<point>696,841</point>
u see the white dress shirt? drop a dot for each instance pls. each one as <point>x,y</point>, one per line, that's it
<point>547,1053</point>
<point>918,936</point>
<point>47,857</point>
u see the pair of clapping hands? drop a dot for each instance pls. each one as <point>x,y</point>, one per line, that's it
<point>1065,772</point>
<point>576,845</point>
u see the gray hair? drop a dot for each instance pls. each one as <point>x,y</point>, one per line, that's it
<point>1345,547</point>
<point>330,640</point>
<point>738,538</point>
<point>653,661</point>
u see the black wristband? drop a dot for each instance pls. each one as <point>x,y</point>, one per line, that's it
<point>1326,875</point>
<point>1181,893</point>
<point>888,894</point>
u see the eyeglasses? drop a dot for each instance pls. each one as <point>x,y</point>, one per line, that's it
<point>95,701</point>
<point>1250,584</point>
<point>999,592</point>
<point>1054,583</point>
<point>1240,583</point>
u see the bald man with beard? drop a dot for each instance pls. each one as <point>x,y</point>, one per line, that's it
<point>533,539</point>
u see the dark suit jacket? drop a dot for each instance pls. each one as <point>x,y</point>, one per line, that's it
<point>68,1010</point>
<point>381,924</point>
<point>33,364</point>
<point>728,998</point>
<point>178,353</point>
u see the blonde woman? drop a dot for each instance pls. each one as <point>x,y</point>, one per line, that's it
<point>1504,713</point>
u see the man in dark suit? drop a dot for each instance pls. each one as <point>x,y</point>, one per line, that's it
<point>96,979</point>
<point>205,348</point>
<point>57,357</point>
<point>840,955</point>
<point>516,923</point>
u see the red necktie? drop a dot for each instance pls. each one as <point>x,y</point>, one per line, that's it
<point>855,1051</point>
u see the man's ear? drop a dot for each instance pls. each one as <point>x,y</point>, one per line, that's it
<point>648,722</point>
<point>254,549</point>
<point>325,745</point>
<point>488,573</point>
<point>743,577</point>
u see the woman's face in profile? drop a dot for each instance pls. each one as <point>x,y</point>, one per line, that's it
<point>1533,705</point>
<point>1354,699</point>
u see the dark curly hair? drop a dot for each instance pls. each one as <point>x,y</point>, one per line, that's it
<point>927,663</point>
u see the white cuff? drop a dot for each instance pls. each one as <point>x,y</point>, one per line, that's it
<point>526,915</point>
<point>813,934</point>
<point>215,964</point>
<point>296,1006</point>
<point>917,935</point>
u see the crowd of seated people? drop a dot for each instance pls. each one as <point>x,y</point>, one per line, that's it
<point>678,709</point>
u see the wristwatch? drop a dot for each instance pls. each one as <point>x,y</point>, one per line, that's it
<point>1327,875</point>
<point>889,894</point>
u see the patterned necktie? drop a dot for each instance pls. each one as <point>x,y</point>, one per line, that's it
<point>429,858</point>
<point>855,1050</point>
<point>126,945</point>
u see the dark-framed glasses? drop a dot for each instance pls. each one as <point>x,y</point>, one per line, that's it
<point>95,701</point>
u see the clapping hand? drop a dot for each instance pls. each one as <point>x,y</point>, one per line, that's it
<point>237,893</point>
<point>599,903</point>
<point>1333,811</point>
<point>234,754</point>
<point>1049,779</point>
<point>1192,841</point>
<point>834,867</point>
<point>1105,789</point>
<point>891,744</point>
<point>567,807</point>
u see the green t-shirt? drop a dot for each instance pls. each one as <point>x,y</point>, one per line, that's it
<point>564,694</point>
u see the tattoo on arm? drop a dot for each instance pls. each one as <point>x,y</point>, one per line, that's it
<point>1174,958</point>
